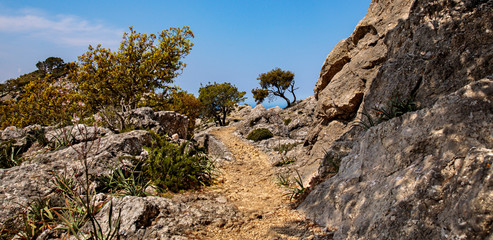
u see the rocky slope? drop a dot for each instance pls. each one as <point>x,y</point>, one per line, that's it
<point>426,174</point>
<point>148,217</point>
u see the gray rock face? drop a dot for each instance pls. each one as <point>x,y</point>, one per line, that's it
<point>161,218</point>
<point>33,179</point>
<point>160,122</point>
<point>260,117</point>
<point>354,62</point>
<point>215,148</point>
<point>420,50</point>
<point>424,175</point>
<point>441,47</point>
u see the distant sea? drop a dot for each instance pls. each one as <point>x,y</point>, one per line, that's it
<point>269,104</point>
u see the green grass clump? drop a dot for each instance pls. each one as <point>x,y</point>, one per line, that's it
<point>393,108</point>
<point>9,155</point>
<point>127,181</point>
<point>259,134</point>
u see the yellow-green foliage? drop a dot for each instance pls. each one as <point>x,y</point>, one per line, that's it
<point>52,68</point>
<point>143,63</point>
<point>176,100</point>
<point>41,103</point>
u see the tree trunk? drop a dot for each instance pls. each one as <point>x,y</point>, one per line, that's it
<point>287,100</point>
<point>224,118</point>
<point>292,92</point>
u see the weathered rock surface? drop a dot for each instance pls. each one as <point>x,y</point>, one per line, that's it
<point>215,148</point>
<point>33,179</point>
<point>103,150</point>
<point>418,50</point>
<point>162,218</point>
<point>354,62</point>
<point>425,175</point>
<point>160,122</point>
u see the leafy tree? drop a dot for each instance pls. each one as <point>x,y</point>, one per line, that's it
<point>50,65</point>
<point>219,99</point>
<point>143,64</point>
<point>275,83</point>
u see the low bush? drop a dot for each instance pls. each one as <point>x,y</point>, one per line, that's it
<point>260,134</point>
<point>287,121</point>
<point>175,168</point>
<point>285,148</point>
<point>172,168</point>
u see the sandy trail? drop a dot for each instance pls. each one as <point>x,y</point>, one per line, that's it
<point>250,184</point>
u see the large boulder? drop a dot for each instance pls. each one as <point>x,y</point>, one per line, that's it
<point>215,148</point>
<point>424,175</point>
<point>260,117</point>
<point>162,218</point>
<point>34,178</point>
<point>160,122</point>
<point>419,50</point>
<point>354,62</point>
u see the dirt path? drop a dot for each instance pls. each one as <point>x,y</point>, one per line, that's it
<point>250,184</point>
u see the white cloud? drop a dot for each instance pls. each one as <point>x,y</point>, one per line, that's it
<point>60,29</point>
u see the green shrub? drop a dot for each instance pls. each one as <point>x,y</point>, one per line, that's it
<point>287,121</point>
<point>260,134</point>
<point>175,168</point>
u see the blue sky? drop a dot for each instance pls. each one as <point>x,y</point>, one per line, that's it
<point>234,40</point>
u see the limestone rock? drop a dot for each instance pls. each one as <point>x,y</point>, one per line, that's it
<point>241,112</point>
<point>161,218</point>
<point>33,179</point>
<point>264,118</point>
<point>173,122</point>
<point>160,122</point>
<point>355,61</point>
<point>441,47</point>
<point>420,50</point>
<point>215,148</point>
<point>424,175</point>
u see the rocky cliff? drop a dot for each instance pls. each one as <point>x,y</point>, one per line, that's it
<point>425,174</point>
